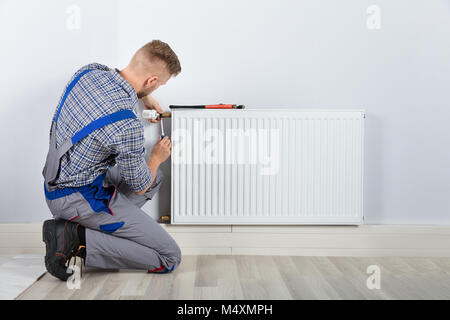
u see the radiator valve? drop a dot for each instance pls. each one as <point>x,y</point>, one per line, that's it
<point>153,114</point>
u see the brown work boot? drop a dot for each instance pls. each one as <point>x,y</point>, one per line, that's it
<point>61,244</point>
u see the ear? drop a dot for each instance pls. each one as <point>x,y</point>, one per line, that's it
<point>150,80</point>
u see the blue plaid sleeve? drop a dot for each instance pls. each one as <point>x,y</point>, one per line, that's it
<point>130,151</point>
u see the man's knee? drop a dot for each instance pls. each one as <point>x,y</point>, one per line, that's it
<point>158,180</point>
<point>159,176</point>
<point>174,255</point>
<point>178,254</point>
<point>156,185</point>
<point>172,258</point>
<point>113,176</point>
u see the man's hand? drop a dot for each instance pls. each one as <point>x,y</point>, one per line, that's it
<point>161,150</point>
<point>152,104</point>
<point>159,154</point>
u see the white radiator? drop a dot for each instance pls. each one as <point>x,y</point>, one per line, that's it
<point>267,166</point>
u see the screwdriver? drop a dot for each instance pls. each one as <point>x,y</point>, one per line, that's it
<point>162,129</point>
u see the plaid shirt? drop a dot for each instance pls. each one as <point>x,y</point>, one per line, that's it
<point>98,93</point>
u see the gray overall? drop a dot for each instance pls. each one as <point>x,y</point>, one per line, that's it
<point>119,234</point>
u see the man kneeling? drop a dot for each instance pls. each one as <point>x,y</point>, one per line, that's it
<point>96,176</point>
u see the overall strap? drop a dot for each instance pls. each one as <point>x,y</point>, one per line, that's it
<point>94,125</point>
<point>69,88</point>
<point>101,122</point>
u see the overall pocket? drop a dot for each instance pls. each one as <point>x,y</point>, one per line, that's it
<point>99,197</point>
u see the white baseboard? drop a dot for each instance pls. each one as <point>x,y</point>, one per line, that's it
<point>365,240</point>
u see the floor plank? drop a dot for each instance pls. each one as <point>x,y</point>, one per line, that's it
<point>261,277</point>
<point>184,279</point>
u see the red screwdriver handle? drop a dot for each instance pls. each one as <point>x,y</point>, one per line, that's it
<point>219,106</point>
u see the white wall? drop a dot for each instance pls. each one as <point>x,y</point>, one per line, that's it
<point>299,54</point>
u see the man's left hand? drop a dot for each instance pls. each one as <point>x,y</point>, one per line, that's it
<point>152,104</point>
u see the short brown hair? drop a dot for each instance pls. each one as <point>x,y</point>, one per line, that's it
<point>161,50</point>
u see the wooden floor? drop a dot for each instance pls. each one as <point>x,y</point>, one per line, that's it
<point>261,277</point>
